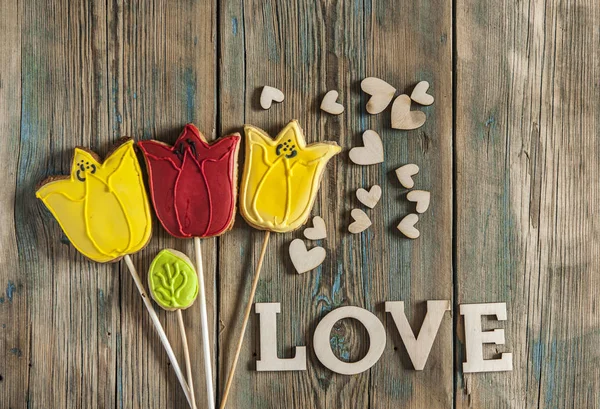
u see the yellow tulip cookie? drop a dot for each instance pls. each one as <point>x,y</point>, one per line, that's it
<point>101,206</point>
<point>281,177</point>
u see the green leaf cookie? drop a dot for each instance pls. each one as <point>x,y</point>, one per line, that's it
<point>173,281</point>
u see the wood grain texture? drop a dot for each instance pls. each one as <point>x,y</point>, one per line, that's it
<point>74,334</point>
<point>528,173</point>
<point>91,73</point>
<point>415,270</point>
<point>305,49</point>
<point>69,300</point>
<point>14,328</point>
<point>161,76</point>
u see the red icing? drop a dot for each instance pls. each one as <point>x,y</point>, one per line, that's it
<point>192,183</point>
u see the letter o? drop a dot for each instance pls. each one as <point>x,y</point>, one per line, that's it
<point>322,336</point>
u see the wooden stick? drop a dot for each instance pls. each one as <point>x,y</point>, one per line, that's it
<point>245,322</point>
<point>160,330</point>
<point>204,325</point>
<point>186,354</point>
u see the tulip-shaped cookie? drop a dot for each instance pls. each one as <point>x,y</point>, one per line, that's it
<point>101,206</point>
<point>193,188</point>
<point>279,186</point>
<point>103,209</point>
<point>281,177</point>
<point>192,183</point>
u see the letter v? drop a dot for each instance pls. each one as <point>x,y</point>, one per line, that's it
<point>418,348</point>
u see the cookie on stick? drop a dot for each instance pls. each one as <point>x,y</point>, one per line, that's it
<point>193,189</point>
<point>173,285</point>
<point>279,186</point>
<point>103,209</point>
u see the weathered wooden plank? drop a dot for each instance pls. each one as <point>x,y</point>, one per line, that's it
<point>527,189</point>
<point>409,46</point>
<point>68,299</point>
<point>81,87</point>
<point>305,49</point>
<point>14,331</point>
<point>162,75</point>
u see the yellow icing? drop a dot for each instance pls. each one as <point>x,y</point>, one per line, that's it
<point>280,183</point>
<point>102,207</point>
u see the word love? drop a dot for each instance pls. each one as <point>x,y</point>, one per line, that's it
<point>418,346</point>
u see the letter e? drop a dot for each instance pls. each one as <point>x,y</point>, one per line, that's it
<point>475,338</point>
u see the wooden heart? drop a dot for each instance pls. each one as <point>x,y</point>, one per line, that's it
<point>305,260</point>
<point>421,197</point>
<point>405,174</point>
<point>420,95</point>
<point>330,104</point>
<point>371,153</point>
<point>361,221</point>
<point>407,226</point>
<point>318,231</point>
<point>268,95</point>
<point>403,118</point>
<point>369,198</point>
<point>381,93</point>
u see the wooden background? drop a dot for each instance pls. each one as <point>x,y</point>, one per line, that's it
<point>510,153</point>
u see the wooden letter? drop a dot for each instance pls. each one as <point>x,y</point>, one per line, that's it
<point>475,337</point>
<point>418,348</point>
<point>323,334</point>
<point>268,342</point>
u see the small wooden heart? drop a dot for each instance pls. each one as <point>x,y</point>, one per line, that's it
<point>361,221</point>
<point>407,226</point>
<point>305,260</point>
<point>403,118</point>
<point>420,95</point>
<point>381,93</point>
<point>421,197</point>
<point>268,95</point>
<point>371,153</point>
<point>318,231</point>
<point>405,174</point>
<point>330,104</point>
<point>369,198</point>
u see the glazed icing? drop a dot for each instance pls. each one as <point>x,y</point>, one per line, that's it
<point>192,183</point>
<point>172,280</point>
<point>281,177</point>
<point>101,206</point>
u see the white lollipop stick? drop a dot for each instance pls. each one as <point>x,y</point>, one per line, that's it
<point>204,325</point>
<point>160,330</point>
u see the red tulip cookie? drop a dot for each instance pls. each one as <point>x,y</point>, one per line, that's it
<point>192,183</point>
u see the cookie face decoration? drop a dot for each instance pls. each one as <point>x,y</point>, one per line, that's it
<point>193,184</point>
<point>101,206</point>
<point>281,177</point>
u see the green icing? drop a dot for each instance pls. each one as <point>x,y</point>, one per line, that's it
<point>173,280</point>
